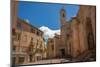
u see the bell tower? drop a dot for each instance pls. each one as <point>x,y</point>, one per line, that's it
<point>63,28</point>
<point>63,22</point>
<point>63,16</point>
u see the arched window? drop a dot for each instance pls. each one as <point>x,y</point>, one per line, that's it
<point>89,31</point>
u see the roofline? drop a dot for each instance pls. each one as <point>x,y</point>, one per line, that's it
<point>28,24</point>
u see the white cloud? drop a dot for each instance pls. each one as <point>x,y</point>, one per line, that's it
<point>49,33</point>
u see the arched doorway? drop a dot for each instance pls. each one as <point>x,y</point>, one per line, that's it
<point>90,40</point>
<point>89,32</point>
<point>62,53</point>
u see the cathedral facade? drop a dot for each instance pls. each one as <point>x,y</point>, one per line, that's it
<point>78,35</point>
<point>77,38</point>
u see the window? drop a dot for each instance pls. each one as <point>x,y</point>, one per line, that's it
<point>21,60</point>
<point>52,47</point>
<point>19,25</point>
<point>68,36</point>
<point>31,38</point>
<point>90,41</point>
<point>30,58</point>
<point>25,38</point>
<point>37,33</point>
<point>32,30</point>
<point>31,46</point>
<point>13,32</point>
<point>37,42</point>
<point>41,45</point>
<point>18,36</point>
<point>14,48</point>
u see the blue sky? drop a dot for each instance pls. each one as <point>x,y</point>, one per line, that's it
<point>45,14</point>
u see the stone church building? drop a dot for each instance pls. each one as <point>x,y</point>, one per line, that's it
<point>77,39</point>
